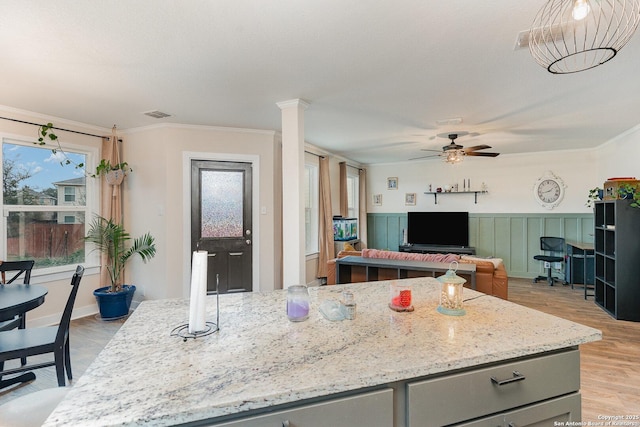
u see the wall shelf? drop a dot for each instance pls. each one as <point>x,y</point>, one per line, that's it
<point>475,193</point>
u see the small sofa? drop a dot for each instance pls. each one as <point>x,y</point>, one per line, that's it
<point>491,275</point>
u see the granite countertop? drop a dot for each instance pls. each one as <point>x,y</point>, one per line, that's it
<point>145,376</point>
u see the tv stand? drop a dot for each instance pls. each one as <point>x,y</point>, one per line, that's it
<point>438,249</point>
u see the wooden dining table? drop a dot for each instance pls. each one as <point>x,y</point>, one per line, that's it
<point>17,299</point>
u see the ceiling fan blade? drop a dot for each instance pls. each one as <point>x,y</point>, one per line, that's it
<point>426,149</point>
<point>477,147</point>
<point>425,157</point>
<point>473,153</point>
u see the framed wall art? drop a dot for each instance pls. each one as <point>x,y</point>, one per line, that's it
<point>410,199</point>
<point>392,183</point>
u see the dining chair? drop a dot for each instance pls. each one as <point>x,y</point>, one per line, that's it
<point>20,343</point>
<point>17,268</point>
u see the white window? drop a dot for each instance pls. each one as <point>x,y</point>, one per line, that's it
<point>353,195</point>
<point>69,194</point>
<point>45,205</point>
<point>311,208</point>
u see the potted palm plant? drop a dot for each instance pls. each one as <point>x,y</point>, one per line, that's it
<point>111,239</point>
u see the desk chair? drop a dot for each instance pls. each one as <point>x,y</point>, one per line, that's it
<point>18,268</point>
<point>554,252</point>
<point>20,343</point>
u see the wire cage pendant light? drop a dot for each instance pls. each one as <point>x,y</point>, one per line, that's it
<point>568,36</point>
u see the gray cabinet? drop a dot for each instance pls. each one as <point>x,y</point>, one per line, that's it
<point>373,409</point>
<point>552,412</point>
<point>617,251</point>
<point>456,398</point>
<point>536,391</point>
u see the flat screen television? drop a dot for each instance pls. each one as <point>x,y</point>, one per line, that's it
<point>438,228</point>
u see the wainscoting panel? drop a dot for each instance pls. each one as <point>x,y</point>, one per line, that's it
<point>385,230</point>
<point>513,237</point>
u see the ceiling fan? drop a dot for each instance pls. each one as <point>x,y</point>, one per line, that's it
<point>453,152</point>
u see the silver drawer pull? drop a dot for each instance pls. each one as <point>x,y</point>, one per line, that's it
<point>517,376</point>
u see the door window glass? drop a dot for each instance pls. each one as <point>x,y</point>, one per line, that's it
<point>221,208</point>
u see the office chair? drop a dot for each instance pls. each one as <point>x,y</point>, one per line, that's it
<point>19,268</point>
<point>20,343</point>
<point>552,246</point>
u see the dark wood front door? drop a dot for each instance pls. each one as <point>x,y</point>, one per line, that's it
<point>221,222</point>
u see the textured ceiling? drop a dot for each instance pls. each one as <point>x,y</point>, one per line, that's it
<point>378,75</point>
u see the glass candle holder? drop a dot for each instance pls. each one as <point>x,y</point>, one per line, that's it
<point>297,303</point>
<point>400,297</point>
<point>451,292</point>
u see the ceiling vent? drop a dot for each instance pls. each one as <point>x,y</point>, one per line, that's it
<point>448,122</point>
<point>156,114</point>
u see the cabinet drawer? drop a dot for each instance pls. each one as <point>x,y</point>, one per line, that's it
<point>368,409</point>
<point>555,412</point>
<point>455,398</point>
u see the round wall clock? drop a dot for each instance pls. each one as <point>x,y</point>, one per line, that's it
<point>549,190</point>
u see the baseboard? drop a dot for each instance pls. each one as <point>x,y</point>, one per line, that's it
<point>54,319</point>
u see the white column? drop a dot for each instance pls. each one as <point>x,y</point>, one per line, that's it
<point>293,240</point>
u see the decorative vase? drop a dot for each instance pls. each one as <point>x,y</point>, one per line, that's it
<point>114,305</point>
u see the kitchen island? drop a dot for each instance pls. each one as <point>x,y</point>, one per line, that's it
<point>382,368</point>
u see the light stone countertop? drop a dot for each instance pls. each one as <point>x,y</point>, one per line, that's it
<point>258,359</point>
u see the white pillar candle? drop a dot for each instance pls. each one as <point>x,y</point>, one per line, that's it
<point>198,292</point>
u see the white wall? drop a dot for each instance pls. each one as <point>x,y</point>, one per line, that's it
<point>154,200</point>
<point>509,179</point>
<point>619,157</point>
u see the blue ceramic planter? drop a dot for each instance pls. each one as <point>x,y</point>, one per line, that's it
<point>114,305</point>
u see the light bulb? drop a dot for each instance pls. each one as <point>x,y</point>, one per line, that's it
<point>580,10</point>
<point>451,290</point>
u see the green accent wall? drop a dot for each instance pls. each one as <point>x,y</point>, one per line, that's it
<point>513,237</point>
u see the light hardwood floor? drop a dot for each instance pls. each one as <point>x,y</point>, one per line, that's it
<point>610,369</point>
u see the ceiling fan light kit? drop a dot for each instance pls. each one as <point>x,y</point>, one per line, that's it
<point>453,153</point>
<point>568,36</point>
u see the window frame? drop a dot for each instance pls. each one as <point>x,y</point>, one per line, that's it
<point>72,195</point>
<point>91,208</point>
<point>313,186</point>
<point>354,178</point>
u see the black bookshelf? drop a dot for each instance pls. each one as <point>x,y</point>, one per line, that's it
<point>617,259</point>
